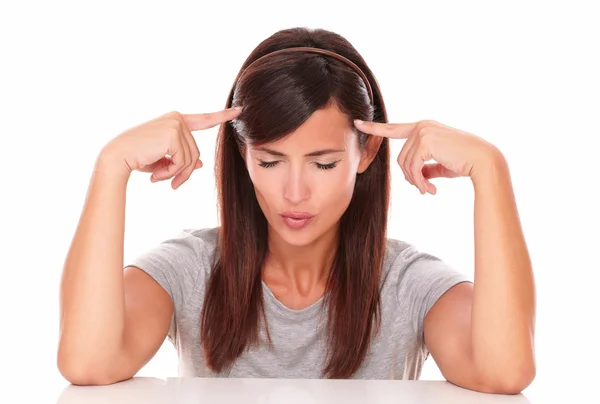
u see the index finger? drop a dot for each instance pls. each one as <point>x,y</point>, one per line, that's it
<point>210,119</point>
<point>390,130</point>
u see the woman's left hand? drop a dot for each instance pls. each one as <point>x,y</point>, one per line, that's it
<point>457,153</point>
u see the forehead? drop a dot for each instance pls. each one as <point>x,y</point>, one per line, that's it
<point>326,128</point>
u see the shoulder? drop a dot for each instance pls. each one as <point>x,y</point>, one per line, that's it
<point>418,278</point>
<point>180,261</point>
<point>200,240</point>
<point>196,247</point>
<point>400,254</point>
<point>411,269</point>
<point>188,244</point>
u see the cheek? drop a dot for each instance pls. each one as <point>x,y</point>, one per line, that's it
<point>263,182</point>
<point>337,188</point>
<point>329,190</point>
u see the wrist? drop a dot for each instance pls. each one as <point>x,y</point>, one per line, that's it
<point>112,164</point>
<point>490,169</point>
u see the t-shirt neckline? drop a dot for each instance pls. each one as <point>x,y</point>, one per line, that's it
<point>273,302</point>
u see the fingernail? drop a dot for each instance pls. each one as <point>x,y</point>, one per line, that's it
<point>238,108</point>
<point>358,122</point>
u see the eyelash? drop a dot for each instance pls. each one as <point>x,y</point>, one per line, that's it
<point>269,164</point>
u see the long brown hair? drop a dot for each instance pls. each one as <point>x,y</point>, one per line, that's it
<point>278,94</point>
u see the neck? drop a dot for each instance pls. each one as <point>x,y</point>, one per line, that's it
<point>300,268</point>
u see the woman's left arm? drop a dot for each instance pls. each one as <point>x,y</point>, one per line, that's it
<point>481,336</point>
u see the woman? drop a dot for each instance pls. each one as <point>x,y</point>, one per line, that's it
<point>300,279</point>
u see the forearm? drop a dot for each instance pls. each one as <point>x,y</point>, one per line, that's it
<point>92,297</point>
<point>503,312</point>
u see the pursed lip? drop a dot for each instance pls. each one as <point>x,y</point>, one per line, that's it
<point>297,215</point>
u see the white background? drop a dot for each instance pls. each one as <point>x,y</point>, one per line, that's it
<point>523,75</point>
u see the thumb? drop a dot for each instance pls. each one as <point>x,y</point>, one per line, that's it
<point>436,171</point>
<point>163,162</point>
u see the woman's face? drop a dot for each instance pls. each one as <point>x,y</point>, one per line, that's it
<point>304,182</point>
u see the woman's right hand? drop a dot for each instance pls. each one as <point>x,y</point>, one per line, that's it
<point>163,146</point>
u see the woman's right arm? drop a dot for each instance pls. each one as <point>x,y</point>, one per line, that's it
<point>112,321</point>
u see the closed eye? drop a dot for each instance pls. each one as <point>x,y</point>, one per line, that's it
<point>268,164</point>
<point>327,166</point>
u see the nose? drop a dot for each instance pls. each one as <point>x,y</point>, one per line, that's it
<point>295,189</point>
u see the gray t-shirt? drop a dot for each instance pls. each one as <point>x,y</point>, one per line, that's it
<point>412,281</point>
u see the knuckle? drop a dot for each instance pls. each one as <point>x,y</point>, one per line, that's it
<point>182,164</point>
<point>425,132</point>
<point>175,167</point>
<point>427,122</point>
<point>422,131</point>
<point>178,123</point>
<point>176,171</point>
<point>415,167</point>
<point>195,155</point>
<point>174,115</point>
<point>424,125</point>
<point>175,120</point>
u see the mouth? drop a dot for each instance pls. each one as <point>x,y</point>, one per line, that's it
<point>296,220</point>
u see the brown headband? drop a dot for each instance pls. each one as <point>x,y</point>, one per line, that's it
<point>324,52</point>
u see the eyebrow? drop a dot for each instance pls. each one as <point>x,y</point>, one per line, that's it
<point>311,154</point>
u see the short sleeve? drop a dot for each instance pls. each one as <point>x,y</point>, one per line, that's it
<point>422,281</point>
<point>175,265</point>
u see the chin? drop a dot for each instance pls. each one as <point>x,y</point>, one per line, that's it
<point>297,240</point>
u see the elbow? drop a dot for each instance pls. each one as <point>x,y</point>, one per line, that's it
<point>86,376</point>
<point>513,382</point>
<point>85,373</point>
<point>509,374</point>
<point>519,383</point>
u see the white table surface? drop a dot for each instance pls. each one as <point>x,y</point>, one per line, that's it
<point>274,391</point>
